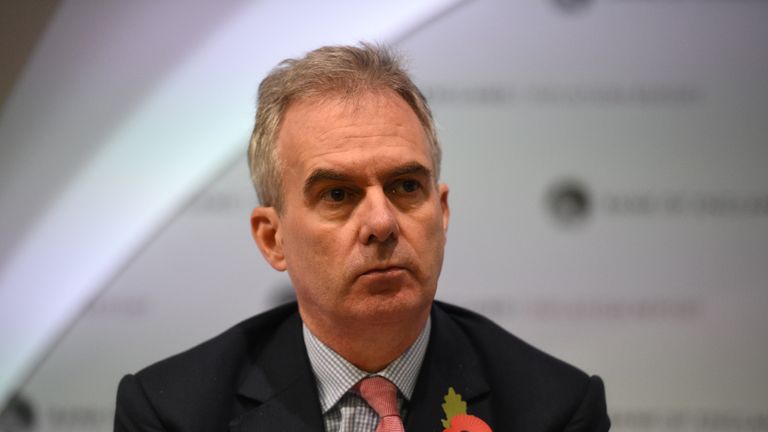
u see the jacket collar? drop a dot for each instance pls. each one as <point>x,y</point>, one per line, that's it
<point>278,390</point>
<point>450,361</point>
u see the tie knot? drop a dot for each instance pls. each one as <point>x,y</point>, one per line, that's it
<point>380,394</point>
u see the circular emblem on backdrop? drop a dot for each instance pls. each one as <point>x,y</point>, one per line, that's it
<point>572,5</point>
<point>17,416</point>
<point>569,202</point>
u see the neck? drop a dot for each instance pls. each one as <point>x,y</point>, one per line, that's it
<point>369,344</point>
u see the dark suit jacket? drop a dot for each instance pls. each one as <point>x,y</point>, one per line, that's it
<point>257,377</point>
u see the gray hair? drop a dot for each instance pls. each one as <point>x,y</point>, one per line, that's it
<point>345,71</point>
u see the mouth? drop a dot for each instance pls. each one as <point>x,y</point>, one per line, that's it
<point>388,271</point>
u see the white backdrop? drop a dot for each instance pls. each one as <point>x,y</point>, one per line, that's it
<point>609,193</point>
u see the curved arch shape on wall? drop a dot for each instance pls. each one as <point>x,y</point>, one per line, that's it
<point>163,150</point>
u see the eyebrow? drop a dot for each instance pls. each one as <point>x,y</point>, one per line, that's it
<point>325,174</point>
<point>411,168</point>
<point>321,175</point>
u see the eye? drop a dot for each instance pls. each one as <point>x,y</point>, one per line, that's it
<point>406,187</point>
<point>335,195</point>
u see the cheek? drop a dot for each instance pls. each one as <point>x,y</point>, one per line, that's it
<point>311,251</point>
<point>433,226</point>
<point>428,239</point>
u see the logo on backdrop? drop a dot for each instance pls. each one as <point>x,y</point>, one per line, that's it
<point>18,415</point>
<point>569,202</point>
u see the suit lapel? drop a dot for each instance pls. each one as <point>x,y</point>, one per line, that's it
<point>450,362</point>
<point>278,391</point>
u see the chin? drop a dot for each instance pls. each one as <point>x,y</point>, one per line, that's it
<point>392,306</point>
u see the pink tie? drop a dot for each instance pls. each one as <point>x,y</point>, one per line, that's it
<point>381,395</point>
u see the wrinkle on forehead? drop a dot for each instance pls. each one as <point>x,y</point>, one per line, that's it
<point>367,119</point>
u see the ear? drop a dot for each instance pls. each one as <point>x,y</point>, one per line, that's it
<point>265,229</point>
<point>443,191</point>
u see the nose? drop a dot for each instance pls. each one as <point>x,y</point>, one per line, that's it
<point>378,219</point>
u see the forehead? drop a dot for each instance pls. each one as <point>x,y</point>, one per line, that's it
<point>352,130</point>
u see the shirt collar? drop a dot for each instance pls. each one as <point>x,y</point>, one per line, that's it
<point>335,375</point>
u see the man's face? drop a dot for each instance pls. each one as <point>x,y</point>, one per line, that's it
<point>362,229</point>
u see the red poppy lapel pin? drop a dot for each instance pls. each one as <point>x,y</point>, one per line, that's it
<point>456,417</point>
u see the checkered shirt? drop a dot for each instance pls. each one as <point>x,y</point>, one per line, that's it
<point>344,410</point>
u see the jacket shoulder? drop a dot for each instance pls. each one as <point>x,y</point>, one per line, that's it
<point>221,353</point>
<point>198,386</point>
<point>545,390</point>
<point>501,349</point>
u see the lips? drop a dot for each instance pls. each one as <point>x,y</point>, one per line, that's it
<point>384,270</point>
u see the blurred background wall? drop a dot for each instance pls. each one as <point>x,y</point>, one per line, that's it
<point>608,164</point>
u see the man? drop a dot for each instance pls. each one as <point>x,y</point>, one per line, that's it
<point>345,160</point>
